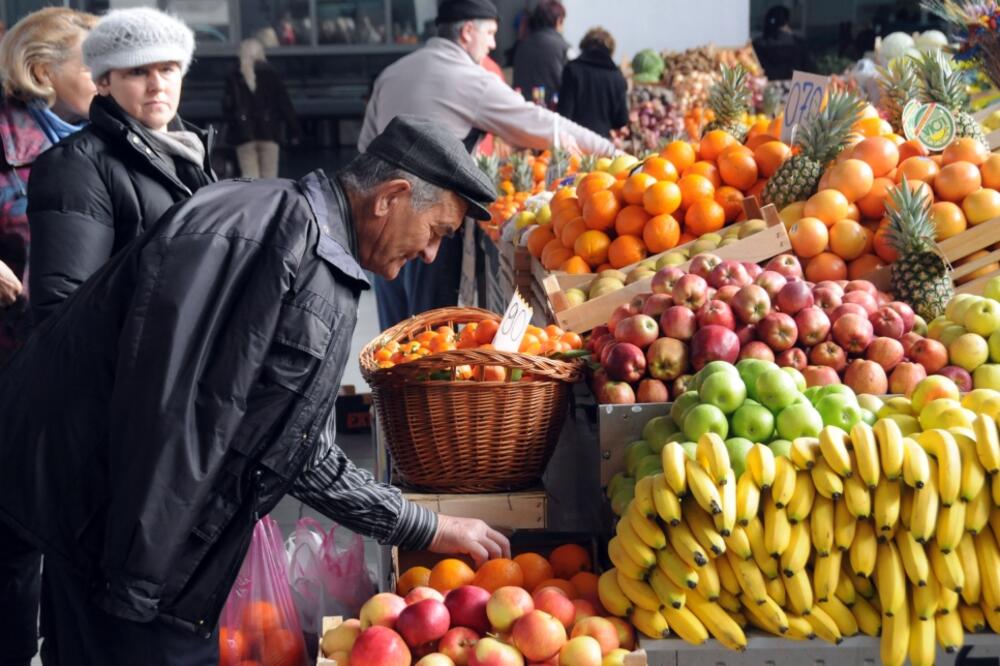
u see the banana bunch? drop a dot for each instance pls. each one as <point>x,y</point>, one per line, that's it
<point>867,531</point>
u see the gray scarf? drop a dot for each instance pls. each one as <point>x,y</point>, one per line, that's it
<point>181,143</point>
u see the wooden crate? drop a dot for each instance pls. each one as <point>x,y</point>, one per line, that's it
<point>756,248</point>
<point>980,237</point>
<point>508,511</point>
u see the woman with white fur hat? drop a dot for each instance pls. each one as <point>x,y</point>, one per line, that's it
<point>94,192</point>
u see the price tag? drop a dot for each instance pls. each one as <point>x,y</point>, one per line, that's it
<point>513,325</point>
<point>805,100</point>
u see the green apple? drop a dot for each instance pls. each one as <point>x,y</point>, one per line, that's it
<point>620,500</point>
<point>705,418</point>
<point>575,297</point>
<point>870,402</point>
<point>992,288</point>
<point>651,464</point>
<point>738,447</point>
<point>868,416</point>
<point>920,326</point>
<point>657,432</point>
<point>634,452</point>
<point>690,449</point>
<point>750,369</point>
<point>812,394</point>
<point>908,425</point>
<point>987,376</point>
<point>754,422</point>
<point>682,404</point>
<point>931,388</point>
<point>983,401</point>
<point>711,368</point>
<point>800,380</point>
<point>955,310</point>
<point>968,351</point>
<point>724,391</point>
<point>952,333</point>
<point>616,482</point>
<point>839,410</point>
<point>937,325</point>
<point>776,389</point>
<point>839,389</point>
<point>750,227</point>
<point>613,274</point>
<point>675,258</point>
<point>983,317</point>
<point>993,343</point>
<point>781,447</point>
<point>798,420</point>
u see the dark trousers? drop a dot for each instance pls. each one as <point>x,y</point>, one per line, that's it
<point>20,584</point>
<point>420,287</point>
<point>77,633</point>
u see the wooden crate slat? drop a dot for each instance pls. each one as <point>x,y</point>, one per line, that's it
<point>975,286</point>
<point>973,266</point>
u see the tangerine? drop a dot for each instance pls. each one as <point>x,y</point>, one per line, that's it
<point>965,149</point>
<point>451,573</point>
<point>635,185</point>
<point>626,250</point>
<point>826,266</point>
<point>848,239</point>
<point>872,205</point>
<point>501,572</point>
<point>731,200</point>
<point>981,205</point>
<point>661,233</point>
<point>738,169</point>
<point>585,583</point>
<point>770,156</point>
<point>948,219</point>
<point>809,237</point>
<point>827,205</point>
<point>713,143</point>
<point>592,247</point>
<point>662,198</point>
<point>852,178</point>
<point>693,187</point>
<point>599,211</point>
<point>680,153</point>
<point>630,220</point>
<point>660,168</point>
<point>957,180</point>
<point>704,216</point>
<point>569,559</point>
<point>880,152</point>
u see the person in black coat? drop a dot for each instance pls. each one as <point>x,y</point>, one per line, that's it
<point>541,56</point>
<point>94,192</point>
<point>254,105</point>
<point>593,92</point>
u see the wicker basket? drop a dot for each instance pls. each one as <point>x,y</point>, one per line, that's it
<point>467,436</point>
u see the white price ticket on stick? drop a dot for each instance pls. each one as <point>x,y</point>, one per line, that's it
<point>804,102</point>
<point>513,325</point>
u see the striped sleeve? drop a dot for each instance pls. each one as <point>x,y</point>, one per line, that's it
<point>337,489</point>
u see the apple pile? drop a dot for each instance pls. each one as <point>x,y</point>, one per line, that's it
<point>727,310</point>
<point>966,339</point>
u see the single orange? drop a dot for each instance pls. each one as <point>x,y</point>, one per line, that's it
<point>565,192</point>
<point>630,220</point>
<point>663,198</point>
<point>981,205</point>
<point>626,250</point>
<point>874,126</point>
<point>635,185</point>
<point>872,205</point>
<point>770,156</point>
<point>948,218</point>
<point>282,648</point>
<point>680,153</point>
<point>501,572</point>
<point>881,154</point>
<point>707,169</point>
<point>885,251</point>
<point>693,187</point>
<point>757,140</point>
<point>572,231</point>
<point>534,568</point>
<point>853,213</point>
<point>451,573</point>
<point>704,216</point>
<point>660,168</point>
<point>592,247</point>
<point>738,169</point>
<point>233,646</point>
<point>661,233</point>
<point>809,237</point>
<point>827,205</point>
<point>826,266</point>
<point>576,266</point>
<point>540,235</point>
<point>911,148</point>
<point>917,168</point>
<point>957,181</point>
<point>560,584</point>
<point>731,200</point>
<point>990,171</point>
<point>852,178</point>
<point>569,559</point>
<point>713,143</point>
<point>863,265</point>
<point>585,583</point>
<point>594,181</point>
<point>848,239</point>
<point>600,210</point>
<point>555,256</point>
<point>965,149</point>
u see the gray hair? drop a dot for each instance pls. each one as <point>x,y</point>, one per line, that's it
<point>453,31</point>
<point>366,172</point>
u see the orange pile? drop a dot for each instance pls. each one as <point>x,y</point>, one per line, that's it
<point>511,201</point>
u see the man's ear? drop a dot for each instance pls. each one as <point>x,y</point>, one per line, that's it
<point>388,194</point>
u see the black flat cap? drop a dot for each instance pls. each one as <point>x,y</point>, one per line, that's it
<point>453,11</point>
<point>418,146</point>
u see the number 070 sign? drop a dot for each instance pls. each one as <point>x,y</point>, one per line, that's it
<point>513,325</point>
<point>804,102</point>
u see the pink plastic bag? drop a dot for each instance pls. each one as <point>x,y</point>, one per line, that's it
<point>327,578</point>
<point>259,621</point>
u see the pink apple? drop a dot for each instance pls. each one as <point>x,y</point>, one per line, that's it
<point>725,294</point>
<point>861,285</point>
<point>380,646</point>
<point>554,601</point>
<point>423,622</point>
<point>792,358</point>
<point>597,384</point>
<point>718,313</point>
<point>757,349</point>
<point>883,298</point>
<point>667,358</point>
<point>864,299</point>
<point>714,343</point>
<point>751,304</point>
<point>600,629</point>
<point>682,385</point>
<point>961,377</point>
<point>421,593</point>
<point>434,659</point>
<point>657,304</point>
<point>820,375</point>
<point>492,652</point>
<point>794,296</point>
<point>506,605</point>
<point>626,633</point>
<point>618,393</point>
<point>786,264</point>
<point>639,330</point>
<point>887,352</point>
<point>778,330</point>
<point>467,607</point>
<point>665,279</point>
<point>538,635</point>
<point>729,272</point>
<point>866,377</point>
<point>678,322</point>
<point>828,354</point>
<point>772,282</point>
<point>746,334</point>
<point>753,270</point>
<point>931,354</point>
<point>584,609</point>
<point>381,610</point>
<point>831,284</point>
<point>625,362</point>
<point>458,644</point>
<point>581,651</point>
<point>703,264</point>
<point>652,390</point>
<point>710,293</point>
<point>848,308</point>
<point>639,301</point>
<point>909,339</point>
<point>813,325</point>
<point>691,291</point>
<point>905,377</point>
<point>906,312</point>
<point>827,299</point>
<point>886,322</point>
<point>618,314</point>
<point>853,332</point>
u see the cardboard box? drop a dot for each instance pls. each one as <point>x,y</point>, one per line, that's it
<point>353,410</point>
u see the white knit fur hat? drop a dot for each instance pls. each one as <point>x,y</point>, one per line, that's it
<point>126,38</point>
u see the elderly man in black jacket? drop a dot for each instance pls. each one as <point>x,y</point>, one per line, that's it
<point>188,385</point>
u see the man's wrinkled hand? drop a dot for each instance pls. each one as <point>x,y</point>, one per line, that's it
<point>469,536</point>
<point>10,286</point>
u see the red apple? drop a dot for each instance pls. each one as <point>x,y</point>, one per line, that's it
<point>753,270</point>
<point>691,291</point>
<point>626,634</point>
<point>820,375</point>
<point>906,312</point>
<point>423,622</point>
<point>909,339</point>
<point>853,332</point>
<point>657,304</point>
<point>597,384</point>
<point>861,285</point>
<point>772,282</point>
<point>703,264</point>
<point>678,322</point>
<point>664,280</point>
<point>714,343</point>
<point>598,332</point>
<point>584,609</point>
<point>381,610</point>
<point>600,629</point>
<point>827,299</point>
<point>961,377</point>
<point>792,358</point>
<point>757,349</point>
<point>538,635</point>
<point>883,298</point>
<point>729,272</point>
<point>794,296</point>
<point>380,646</point>
<point>506,605</point>
<point>725,294</point>
<point>887,352</point>
<point>625,362</point>
<point>864,299</point>
<point>682,385</point>
<point>848,308</point>
<point>931,354</point>
<point>667,358</point>
<point>786,264</point>
<point>718,313</point>
<point>652,390</point>
<point>421,593</point>
<point>813,325</point>
<point>618,393</point>
<point>828,354</point>
<point>746,334</point>
<point>710,293</point>
<point>554,601</point>
<point>831,284</point>
<point>778,330</point>
<point>751,304</point>
<point>905,377</point>
<point>618,314</point>
<point>605,352</point>
<point>639,330</point>
<point>866,377</point>
<point>888,323</point>
<point>598,344</point>
<point>467,607</point>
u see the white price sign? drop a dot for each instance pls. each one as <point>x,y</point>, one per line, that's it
<point>513,325</point>
<point>805,99</point>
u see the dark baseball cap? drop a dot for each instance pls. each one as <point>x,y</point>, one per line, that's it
<point>453,11</point>
<point>418,146</point>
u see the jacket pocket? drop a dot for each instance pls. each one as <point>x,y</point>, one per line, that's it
<point>300,342</point>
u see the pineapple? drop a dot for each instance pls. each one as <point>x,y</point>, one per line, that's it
<point>588,163</point>
<point>920,275</point>
<point>729,99</point>
<point>819,141</point>
<point>522,178</point>
<point>772,102</point>
<point>941,83</point>
<point>899,84</point>
<point>490,165</point>
<point>558,166</point>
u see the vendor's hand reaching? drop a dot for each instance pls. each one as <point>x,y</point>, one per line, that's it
<point>10,286</point>
<point>469,536</point>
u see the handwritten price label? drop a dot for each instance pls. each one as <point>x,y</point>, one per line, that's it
<point>513,325</point>
<point>804,102</point>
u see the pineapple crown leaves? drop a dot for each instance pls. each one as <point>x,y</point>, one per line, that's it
<point>490,166</point>
<point>939,81</point>
<point>558,166</point>
<point>730,96</point>
<point>522,176</point>
<point>588,163</point>
<point>825,136</point>
<point>910,230</point>
<point>899,84</point>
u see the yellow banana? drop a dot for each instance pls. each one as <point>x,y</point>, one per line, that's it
<point>777,531</point>
<point>686,545</point>
<point>895,641</point>
<point>643,498</point>
<point>857,497</point>
<point>948,600</point>
<point>973,475</point>
<point>821,525</point>
<point>635,547</point>
<point>740,617</point>
<point>972,590</point>
<point>686,625</point>
<point>866,454</point>
<point>972,618</point>
<point>804,452</point>
<point>650,623</point>
<point>802,499</point>
<point>784,481</point>
<point>718,622</point>
<point>726,521</point>
<point>914,556</point>
<point>796,555</point>
<point>995,489</point>
<point>916,470</point>
<point>950,527</point>
<point>921,649</point>
<point>739,543</point>
<point>923,519</point>
<point>702,488</point>
<point>713,456</point>
<point>646,529</point>
<point>799,593</point>
<point>776,590</point>
<point>844,525</point>
<point>674,462</point>
<point>759,619</point>
<point>639,593</point>
<point>977,512</point>
<point>926,599</point>
<point>620,559</point>
<point>761,465</point>
<point>890,580</point>
<point>665,500</point>
<point>833,445</point>
<point>750,578</point>
<point>824,626</point>
<point>890,448</point>
<point>942,445</point>
<point>799,628</point>
<point>845,588</point>
<point>869,619</point>
<point>841,614</point>
<point>905,505</point>
<point>987,443</point>
<point>767,564</point>
<point>709,584</point>
<point>727,577</point>
<point>727,600</point>
<point>611,595</point>
<point>863,550</point>
<point>682,573</point>
<point>886,505</point>
<point>947,567</point>
<point>747,498</point>
<point>865,589</point>
<point>826,570</point>
<point>994,523</point>
<point>770,610</point>
<point>828,483</point>
<point>669,594</point>
<point>703,529</point>
<point>950,634</point>
<point>992,616</point>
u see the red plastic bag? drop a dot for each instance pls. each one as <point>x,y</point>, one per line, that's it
<point>259,623</point>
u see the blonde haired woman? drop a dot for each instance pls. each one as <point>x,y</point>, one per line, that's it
<point>254,104</point>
